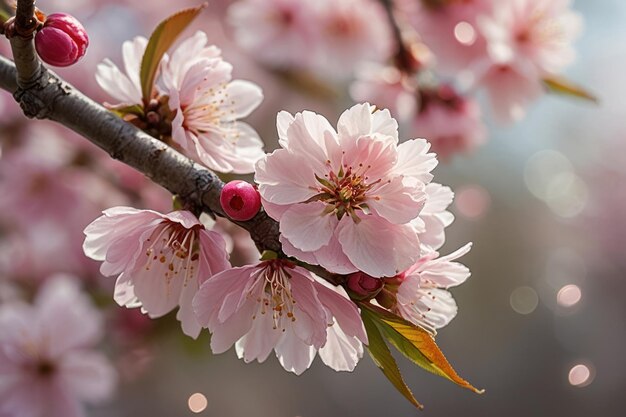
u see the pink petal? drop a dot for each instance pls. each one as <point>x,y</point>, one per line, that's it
<point>377,247</point>
<point>395,202</point>
<point>341,352</point>
<point>285,178</point>
<point>89,376</point>
<point>306,226</point>
<point>293,354</point>
<point>414,160</point>
<point>244,97</point>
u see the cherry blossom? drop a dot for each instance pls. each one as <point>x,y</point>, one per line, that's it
<point>124,87</point>
<point>538,31</point>
<point>48,367</point>
<point>278,306</point>
<point>207,106</point>
<point>434,217</point>
<point>422,296</point>
<point>440,25</point>
<point>351,32</point>
<point>160,259</point>
<point>279,33</point>
<point>452,123</point>
<point>345,198</point>
<point>386,88</point>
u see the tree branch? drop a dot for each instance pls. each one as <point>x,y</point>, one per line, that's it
<point>43,95</point>
<point>404,58</point>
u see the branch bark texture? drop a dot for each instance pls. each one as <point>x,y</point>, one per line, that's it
<point>43,95</point>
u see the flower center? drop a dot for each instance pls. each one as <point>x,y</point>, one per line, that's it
<point>277,298</point>
<point>173,251</point>
<point>345,192</point>
<point>45,368</point>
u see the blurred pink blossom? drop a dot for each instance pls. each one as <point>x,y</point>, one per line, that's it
<point>330,37</point>
<point>279,33</point>
<point>160,259</point>
<point>345,199</point>
<point>540,32</point>
<point>438,27</point>
<point>351,32</point>
<point>451,123</point>
<point>47,363</point>
<point>278,306</point>
<point>386,88</point>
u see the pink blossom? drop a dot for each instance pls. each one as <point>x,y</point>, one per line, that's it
<point>511,88</point>
<point>160,259</point>
<point>540,32</point>
<point>126,88</point>
<point>345,198</point>
<point>423,297</point>
<point>48,367</point>
<point>434,217</point>
<point>207,106</point>
<point>438,27</point>
<point>278,306</point>
<point>452,123</point>
<point>351,32</point>
<point>386,88</point>
<point>279,33</point>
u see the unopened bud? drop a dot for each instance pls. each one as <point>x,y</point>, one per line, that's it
<point>240,200</point>
<point>363,286</point>
<point>62,41</point>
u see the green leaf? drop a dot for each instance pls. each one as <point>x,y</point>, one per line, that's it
<point>415,343</point>
<point>160,41</point>
<point>381,356</point>
<point>560,85</point>
<point>123,110</point>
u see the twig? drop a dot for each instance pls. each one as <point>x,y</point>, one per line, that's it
<point>43,95</point>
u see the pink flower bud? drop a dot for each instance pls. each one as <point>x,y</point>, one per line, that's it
<point>364,286</point>
<point>240,200</point>
<point>62,41</point>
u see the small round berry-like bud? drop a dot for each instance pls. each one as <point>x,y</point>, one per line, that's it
<point>240,200</point>
<point>62,40</point>
<point>363,286</point>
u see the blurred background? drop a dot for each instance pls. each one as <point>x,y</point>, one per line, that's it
<point>541,323</point>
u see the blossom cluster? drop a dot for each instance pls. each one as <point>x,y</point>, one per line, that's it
<point>353,200</point>
<point>452,50</point>
<point>195,105</point>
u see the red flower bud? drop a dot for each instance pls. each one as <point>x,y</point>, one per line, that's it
<point>240,200</point>
<point>62,41</point>
<point>364,286</point>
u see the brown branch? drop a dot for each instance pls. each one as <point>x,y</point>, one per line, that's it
<point>404,58</point>
<point>43,95</point>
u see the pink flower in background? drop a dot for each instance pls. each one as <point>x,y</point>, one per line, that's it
<point>511,89</point>
<point>434,217</point>
<point>48,367</point>
<point>351,32</point>
<point>422,296</point>
<point>449,29</point>
<point>124,87</point>
<point>452,123</point>
<point>345,198</point>
<point>208,105</point>
<point>386,88</point>
<point>540,32</point>
<point>330,37</point>
<point>160,259</point>
<point>279,33</point>
<point>278,306</point>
